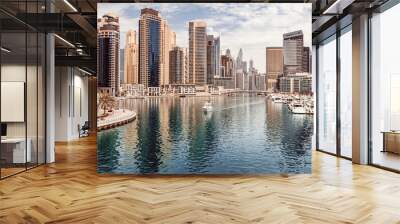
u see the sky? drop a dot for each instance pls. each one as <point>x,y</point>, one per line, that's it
<point>250,26</point>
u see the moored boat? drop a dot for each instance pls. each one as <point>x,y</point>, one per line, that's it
<point>297,108</point>
<point>277,99</point>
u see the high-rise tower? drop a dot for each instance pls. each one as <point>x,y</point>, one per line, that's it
<point>251,66</point>
<point>227,64</point>
<point>108,53</point>
<point>293,52</point>
<point>306,60</point>
<point>274,66</point>
<point>131,58</point>
<point>198,52</point>
<point>178,66</point>
<point>239,60</point>
<point>213,58</point>
<point>155,41</point>
<point>167,44</point>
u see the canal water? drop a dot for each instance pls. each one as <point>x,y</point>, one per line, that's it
<point>244,134</point>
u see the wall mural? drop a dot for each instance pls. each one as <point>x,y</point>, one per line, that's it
<point>204,88</point>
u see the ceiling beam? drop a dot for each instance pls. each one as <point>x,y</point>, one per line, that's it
<point>86,27</point>
<point>337,7</point>
<point>82,61</point>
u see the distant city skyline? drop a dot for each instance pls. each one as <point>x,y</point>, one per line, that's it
<point>251,27</point>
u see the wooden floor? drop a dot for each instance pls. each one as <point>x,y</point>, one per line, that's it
<point>8,171</point>
<point>70,191</point>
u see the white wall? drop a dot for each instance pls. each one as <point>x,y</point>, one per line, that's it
<point>9,73</point>
<point>17,73</point>
<point>61,103</point>
<point>80,98</point>
<point>33,126</point>
<point>71,102</point>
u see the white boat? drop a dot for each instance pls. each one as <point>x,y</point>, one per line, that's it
<point>289,100</point>
<point>207,107</point>
<point>277,99</point>
<point>297,108</point>
<point>284,99</point>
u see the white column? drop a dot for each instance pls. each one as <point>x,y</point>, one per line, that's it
<point>50,98</point>
<point>314,90</point>
<point>360,90</point>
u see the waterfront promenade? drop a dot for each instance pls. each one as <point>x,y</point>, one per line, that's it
<point>115,118</point>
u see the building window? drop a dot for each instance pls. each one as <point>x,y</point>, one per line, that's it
<point>346,92</point>
<point>385,89</point>
<point>327,95</point>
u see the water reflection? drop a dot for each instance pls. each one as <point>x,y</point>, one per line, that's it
<point>107,160</point>
<point>243,134</point>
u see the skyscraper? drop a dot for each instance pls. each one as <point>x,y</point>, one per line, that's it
<point>131,58</point>
<point>121,62</point>
<point>168,43</point>
<point>178,66</point>
<point>306,60</point>
<point>155,41</point>
<point>239,60</point>
<point>274,66</point>
<point>213,58</point>
<point>293,52</point>
<point>228,53</point>
<point>198,52</point>
<point>251,66</point>
<point>217,43</point>
<point>228,65</point>
<point>108,53</point>
<point>244,66</point>
<point>149,47</point>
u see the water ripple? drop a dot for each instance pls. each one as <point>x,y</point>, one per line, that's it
<point>244,134</point>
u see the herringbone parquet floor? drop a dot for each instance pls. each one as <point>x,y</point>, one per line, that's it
<point>70,191</point>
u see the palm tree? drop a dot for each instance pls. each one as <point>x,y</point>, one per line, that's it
<point>106,102</point>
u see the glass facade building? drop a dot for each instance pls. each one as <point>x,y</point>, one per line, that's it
<point>104,51</point>
<point>154,52</point>
<point>155,39</point>
<point>108,68</point>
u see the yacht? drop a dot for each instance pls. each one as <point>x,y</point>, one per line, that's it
<point>277,99</point>
<point>290,100</point>
<point>297,108</point>
<point>284,99</point>
<point>207,107</point>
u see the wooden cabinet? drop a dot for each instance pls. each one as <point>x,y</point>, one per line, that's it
<point>391,141</point>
